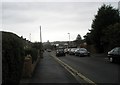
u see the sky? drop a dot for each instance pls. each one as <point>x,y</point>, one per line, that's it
<point>56,19</point>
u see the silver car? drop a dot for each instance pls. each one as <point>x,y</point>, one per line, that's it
<point>82,52</point>
<point>72,51</point>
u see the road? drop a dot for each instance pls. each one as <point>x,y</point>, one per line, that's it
<point>97,69</point>
<point>50,71</point>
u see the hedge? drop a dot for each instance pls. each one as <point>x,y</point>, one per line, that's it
<point>12,58</point>
<point>14,50</point>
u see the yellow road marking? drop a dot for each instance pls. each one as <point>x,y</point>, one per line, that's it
<point>73,71</point>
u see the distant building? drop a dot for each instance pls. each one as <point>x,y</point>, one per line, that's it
<point>65,44</point>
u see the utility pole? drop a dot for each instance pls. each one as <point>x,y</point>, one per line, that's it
<point>41,51</point>
<point>119,7</point>
<point>40,35</point>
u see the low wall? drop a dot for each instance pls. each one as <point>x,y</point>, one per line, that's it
<point>29,67</point>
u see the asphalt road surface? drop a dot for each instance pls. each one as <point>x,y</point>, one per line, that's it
<point>97,69</point>
<point>50,71</point>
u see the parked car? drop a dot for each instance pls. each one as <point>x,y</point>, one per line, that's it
<point>82,52</point>
<point>69,50</point>
<point>60,52</point>
<point>72,51</point>
<point>49,50</point>
<point>66,50</point>
<point>114,55</point>
<point>76,49</point>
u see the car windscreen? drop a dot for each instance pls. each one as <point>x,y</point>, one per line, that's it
<point>82,49</point>
<point>119,51</point>
<point>60,49</point>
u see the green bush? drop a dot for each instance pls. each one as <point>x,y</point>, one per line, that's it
<point>12,58</point>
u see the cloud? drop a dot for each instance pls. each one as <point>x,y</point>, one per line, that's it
<point>56,18</point>
<point>60,0</point>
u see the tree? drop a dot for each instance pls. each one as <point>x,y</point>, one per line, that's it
<point>78,40</point>
<point>36,45</point>
<point>47,45</point>
<point>106,16</point>
<point>112,36</point>
<point>88,39</point>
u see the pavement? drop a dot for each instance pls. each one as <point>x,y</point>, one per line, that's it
<point>49,71</point>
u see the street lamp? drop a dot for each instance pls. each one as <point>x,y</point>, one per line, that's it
<point>30,37</point>
<point>69,39</point>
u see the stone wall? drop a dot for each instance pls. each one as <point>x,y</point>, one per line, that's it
<point>29,67</point>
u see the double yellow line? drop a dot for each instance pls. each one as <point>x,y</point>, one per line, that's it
<point>74,72</point>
